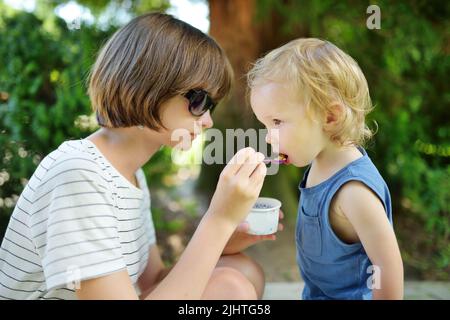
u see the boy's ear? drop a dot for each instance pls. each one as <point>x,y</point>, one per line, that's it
<point>333,116</point>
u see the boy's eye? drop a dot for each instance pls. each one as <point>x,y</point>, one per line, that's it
<point>276,122</point>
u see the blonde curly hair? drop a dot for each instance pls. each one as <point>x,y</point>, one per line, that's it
<point>321,75</point>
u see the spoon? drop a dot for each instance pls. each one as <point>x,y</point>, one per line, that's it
<point>274,161</point>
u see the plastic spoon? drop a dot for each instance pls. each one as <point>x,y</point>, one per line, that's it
<point>274,161</point>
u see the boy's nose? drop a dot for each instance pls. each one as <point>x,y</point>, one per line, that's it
<point>268,140</point>
<point>206,120</point>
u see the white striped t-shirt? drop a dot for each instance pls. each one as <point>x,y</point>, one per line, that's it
<point>78,218</point>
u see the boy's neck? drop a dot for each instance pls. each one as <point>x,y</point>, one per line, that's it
<point>330,160</point>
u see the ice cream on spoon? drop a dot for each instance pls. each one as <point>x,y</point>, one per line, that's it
<point>282,159</point>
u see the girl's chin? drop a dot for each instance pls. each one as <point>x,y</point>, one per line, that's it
<point>183,145</point>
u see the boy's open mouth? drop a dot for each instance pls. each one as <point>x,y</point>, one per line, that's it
<point>282,159</point>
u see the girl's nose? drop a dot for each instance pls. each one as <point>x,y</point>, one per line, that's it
<point>206,120</point>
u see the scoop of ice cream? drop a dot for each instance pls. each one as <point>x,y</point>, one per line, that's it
<point>261,206</point>
<point>282,158</point>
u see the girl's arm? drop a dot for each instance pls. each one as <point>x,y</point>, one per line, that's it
<point>187,279</point>
<point>152,275</point>
<point>239,185</point>
<point>366,213</point>
<point>154,272</point>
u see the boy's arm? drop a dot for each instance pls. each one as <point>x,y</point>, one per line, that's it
<point>366,213</point>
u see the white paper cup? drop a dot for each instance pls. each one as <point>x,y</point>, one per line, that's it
<point>263,218</point>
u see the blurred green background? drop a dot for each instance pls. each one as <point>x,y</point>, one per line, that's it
<point>45,60</point>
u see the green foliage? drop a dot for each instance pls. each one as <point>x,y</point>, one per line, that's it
<point>99,7</point>
<point>407,66</point>
<point>44,66</point>
<point>42,77</point>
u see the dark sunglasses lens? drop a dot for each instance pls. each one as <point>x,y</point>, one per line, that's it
<point>198,103</point>
<point>211,109</point>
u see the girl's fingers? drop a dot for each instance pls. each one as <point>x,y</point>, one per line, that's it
<point>250,165</point>
<point>267,237</point>
<point>259,163</point>
<point>243,227</point>
<point>258,175</point>
<point>238,160</point>
<point>280,227</point>
<point>281,214</point>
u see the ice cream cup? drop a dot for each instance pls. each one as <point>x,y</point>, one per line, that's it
<point>263,217</point>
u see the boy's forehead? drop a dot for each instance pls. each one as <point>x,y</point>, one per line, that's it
<point>270,89</point>
<point>271,98</point>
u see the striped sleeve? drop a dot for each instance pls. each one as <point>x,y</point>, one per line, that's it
<point>150,228</point>
<point>147,213</point>
<point>82,240</point>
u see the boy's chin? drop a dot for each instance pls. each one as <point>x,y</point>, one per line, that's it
<point>298,163</point>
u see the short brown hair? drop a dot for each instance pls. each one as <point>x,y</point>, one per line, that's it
<point>150,60</point>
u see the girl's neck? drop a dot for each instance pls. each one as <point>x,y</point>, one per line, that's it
<point>127,149</point>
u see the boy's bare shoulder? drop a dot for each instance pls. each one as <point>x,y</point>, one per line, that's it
<point>356,201</point>
<point>354,210</point>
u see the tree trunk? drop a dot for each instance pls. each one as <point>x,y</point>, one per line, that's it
<point>234,27</point>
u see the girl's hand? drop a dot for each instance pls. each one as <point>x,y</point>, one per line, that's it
<point>241,240</point>
<point>238,188</point>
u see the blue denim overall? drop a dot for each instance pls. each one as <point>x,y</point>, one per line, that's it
<point>331,268</point>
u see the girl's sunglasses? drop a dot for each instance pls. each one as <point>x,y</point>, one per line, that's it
<point>199,102</point>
